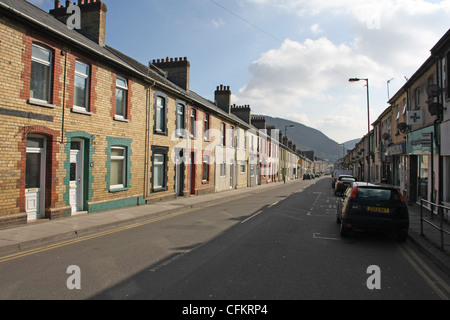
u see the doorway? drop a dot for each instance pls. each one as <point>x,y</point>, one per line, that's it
<point>76,175</point>
<point>35,177</point>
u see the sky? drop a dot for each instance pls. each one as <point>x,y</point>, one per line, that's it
<point>287,58</point>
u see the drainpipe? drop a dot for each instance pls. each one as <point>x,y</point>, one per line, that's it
<point>147,140</point>
<point>63,53</point>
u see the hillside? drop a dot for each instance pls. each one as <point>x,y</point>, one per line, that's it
<point>307,139</point>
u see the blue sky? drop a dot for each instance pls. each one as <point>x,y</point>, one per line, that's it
<point>286,58</point>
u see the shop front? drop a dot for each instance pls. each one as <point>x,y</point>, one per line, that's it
<point>421,167</point>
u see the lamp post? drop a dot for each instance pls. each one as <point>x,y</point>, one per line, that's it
<point>368,120</point>
<point>285,134</point>
<point>285,129</point>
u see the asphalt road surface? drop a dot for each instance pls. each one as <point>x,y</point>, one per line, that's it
<point>282,243</point>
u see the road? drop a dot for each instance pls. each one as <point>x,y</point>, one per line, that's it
<point>278,244</point>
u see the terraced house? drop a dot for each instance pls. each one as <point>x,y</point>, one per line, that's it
<point>411,137</point>
<point>85,128</point>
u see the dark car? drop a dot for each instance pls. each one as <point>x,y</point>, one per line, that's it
<point>373,207</point>
<point>306,176</point>
<point>342,183</point>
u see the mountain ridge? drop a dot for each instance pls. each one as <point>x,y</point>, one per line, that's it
<point>309,139</point>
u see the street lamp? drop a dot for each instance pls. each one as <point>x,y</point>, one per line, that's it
<point>368,118</point>
<point>285,134</point>
<point>285,129</point>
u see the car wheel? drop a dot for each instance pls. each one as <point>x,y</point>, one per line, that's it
<point>343,230</point>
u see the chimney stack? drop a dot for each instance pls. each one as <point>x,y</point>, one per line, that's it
<point>177,70</point>
<point>242,112</point>
<point>222,97</point>
<point>259,123</point>
<point>93,18</point>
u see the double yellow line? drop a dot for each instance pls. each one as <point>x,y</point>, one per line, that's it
<point>430,277</point>
<point>22,254</point>
<point>89,237</point>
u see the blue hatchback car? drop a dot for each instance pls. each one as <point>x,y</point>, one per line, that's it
<point>373,207</point>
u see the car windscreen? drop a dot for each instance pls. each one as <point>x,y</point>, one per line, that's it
<point>347,179</point>
<point>378,195</point>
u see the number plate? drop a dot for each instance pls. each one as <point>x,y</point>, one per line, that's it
<point>378,209</point>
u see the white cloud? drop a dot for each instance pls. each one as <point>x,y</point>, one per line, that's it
<point>315,28</point>
<point>307,80</point>
<point>217,22</point>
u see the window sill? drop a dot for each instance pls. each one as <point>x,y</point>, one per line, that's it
<point>121,119</point>
<point>161,133</point>
<point>117,189</point>
<point>41,103</point>
<point>160,189</point>
<point>81,111</point>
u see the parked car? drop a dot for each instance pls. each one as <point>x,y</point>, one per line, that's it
<point>338,173</point>
<point>373,207</point>
<point>342,183</point>
<point>306,176</point>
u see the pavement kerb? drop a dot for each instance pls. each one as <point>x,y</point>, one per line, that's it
<point>438,257</point>
<point>140,214</point>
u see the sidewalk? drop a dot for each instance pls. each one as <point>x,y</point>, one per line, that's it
<point>430,242</point>
<point>33,235</point>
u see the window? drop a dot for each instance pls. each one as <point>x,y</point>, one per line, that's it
<point>223,136</point>
<point>159,168</point>
<point>242,167</point>
<point>417,97</point>
<point>158,171</point>
<point>206,128</point>
<point>121,98</point>
<point>193,123</point>
<point>205,168</point>
<point>232,137</point>
<point>81,99</point>
<point>118,167</point>
<point>180,123</point>
<point>238,136</point>
<point>160,116</point>
<point>404,106</point>
<point>41,71</point>
<point>223,170</point>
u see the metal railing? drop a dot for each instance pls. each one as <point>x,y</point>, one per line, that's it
<point>439,214</point>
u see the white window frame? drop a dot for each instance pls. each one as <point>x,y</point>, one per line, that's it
<point>123,89</point>
<point>49,80</point>
<point>223,170</point>
<point>85,77</point>
<point>180,119</point>
<point>161,164</point>
<point>206,128</point>
<point>160,116</point>
<point>122,158</point>
<point>193,123</point>
<point>206,161</point>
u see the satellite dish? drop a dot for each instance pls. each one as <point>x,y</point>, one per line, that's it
<point>402,126</point>
<point>435,108</point>
<point>434,91</point>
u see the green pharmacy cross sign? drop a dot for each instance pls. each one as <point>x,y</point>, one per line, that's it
<point>415,117</point>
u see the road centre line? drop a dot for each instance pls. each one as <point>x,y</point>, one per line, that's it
<point>21,254</point>
<point>317,236</point>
